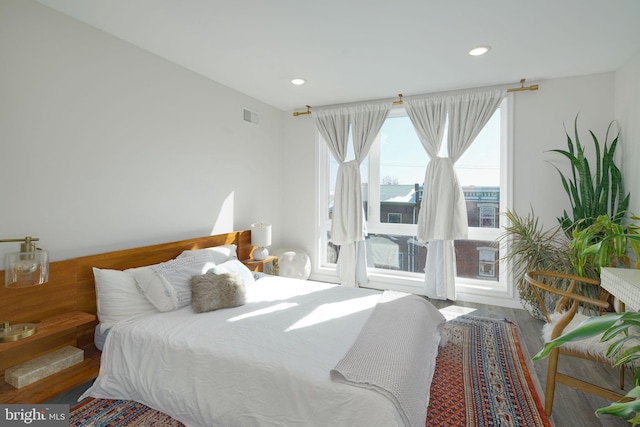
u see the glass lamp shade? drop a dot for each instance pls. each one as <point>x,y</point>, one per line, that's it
<point>24,269</point>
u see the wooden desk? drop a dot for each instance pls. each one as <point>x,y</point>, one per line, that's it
<point>622,283</point>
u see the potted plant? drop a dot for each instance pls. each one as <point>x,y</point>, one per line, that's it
<point>625,349</point>
<point>604,243</point>
<point>594,233</point>
<point>530,247</point>
<point>600,235</point>
<point>592,193</point>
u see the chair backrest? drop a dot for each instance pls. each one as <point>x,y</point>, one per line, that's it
<point>567,292</point>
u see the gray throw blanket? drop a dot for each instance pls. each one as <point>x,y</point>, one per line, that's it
<point>395,353</point>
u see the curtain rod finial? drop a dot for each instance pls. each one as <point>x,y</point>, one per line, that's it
<point>300,113</point>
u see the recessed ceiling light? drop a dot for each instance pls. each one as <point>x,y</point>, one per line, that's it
<point>480,50</point>
<point>297,81</point>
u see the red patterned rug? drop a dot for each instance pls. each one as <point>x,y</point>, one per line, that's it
<point>118,413</point>
<point>481,380</point>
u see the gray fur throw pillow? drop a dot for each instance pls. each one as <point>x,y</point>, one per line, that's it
<point>213,291</point>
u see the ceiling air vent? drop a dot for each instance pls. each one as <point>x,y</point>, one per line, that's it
<point>250,117</point>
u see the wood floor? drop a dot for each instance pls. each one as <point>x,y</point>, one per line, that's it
<point>572,408</point>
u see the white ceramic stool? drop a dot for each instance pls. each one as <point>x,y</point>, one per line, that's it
<point>293,262</point>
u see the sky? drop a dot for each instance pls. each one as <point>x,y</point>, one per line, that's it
<point>404,159</point>
<point>479,165</point>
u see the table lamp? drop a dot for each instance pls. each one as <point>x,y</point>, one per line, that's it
<point>260,237</point>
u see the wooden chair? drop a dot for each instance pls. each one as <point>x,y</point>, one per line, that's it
<point>563,289</point>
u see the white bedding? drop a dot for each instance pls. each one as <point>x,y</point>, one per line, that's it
<point>265,363</point>
<point>376,359</point>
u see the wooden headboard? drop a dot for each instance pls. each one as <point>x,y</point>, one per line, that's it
<point>71,285</point>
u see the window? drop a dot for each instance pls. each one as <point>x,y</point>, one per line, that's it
<point>487,262</point>
<point>394,218</point>
<point>488,216</point>
<point>392,180</point>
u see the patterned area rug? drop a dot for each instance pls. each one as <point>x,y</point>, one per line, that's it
<point>481,380</point>
<point>118,413</point>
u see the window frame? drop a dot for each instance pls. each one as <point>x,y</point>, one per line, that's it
<point>467,288</point>
<point>486,250</point>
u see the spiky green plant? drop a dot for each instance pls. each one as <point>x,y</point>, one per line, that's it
<point>592,195</point>
<point>530,247</point>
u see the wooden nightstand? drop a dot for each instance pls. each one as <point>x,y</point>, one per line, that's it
<point>16,352</point>
<point>255,265</point>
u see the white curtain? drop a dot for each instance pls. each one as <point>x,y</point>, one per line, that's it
<point>348,227</point>
<point>443,213</point>
<point>428,116</point>
<point>333,126</point>
<point>468,114</point>
<point>366,121</point>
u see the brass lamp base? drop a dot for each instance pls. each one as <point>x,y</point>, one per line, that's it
<point>9,333</point>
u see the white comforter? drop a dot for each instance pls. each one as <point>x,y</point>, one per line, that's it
<point>265,363</point>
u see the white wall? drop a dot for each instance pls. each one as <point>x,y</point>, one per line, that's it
<point>104,146</point>
<point>299,193</point>
<point>628,115</point>
<point>539,119</point>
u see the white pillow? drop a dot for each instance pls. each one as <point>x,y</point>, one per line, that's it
<point>168,285</point>
<point>220,254</point>
<point>118,298</point>
<point>235,266</point>
<point>155,288</point>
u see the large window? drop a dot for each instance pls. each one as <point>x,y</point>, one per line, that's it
<point>393,182</point>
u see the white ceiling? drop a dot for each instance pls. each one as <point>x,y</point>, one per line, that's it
<point>354,50</point>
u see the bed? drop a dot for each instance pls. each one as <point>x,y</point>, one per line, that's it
<point>286,352</point>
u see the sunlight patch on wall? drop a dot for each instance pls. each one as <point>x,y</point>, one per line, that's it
<point>224,222</point>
